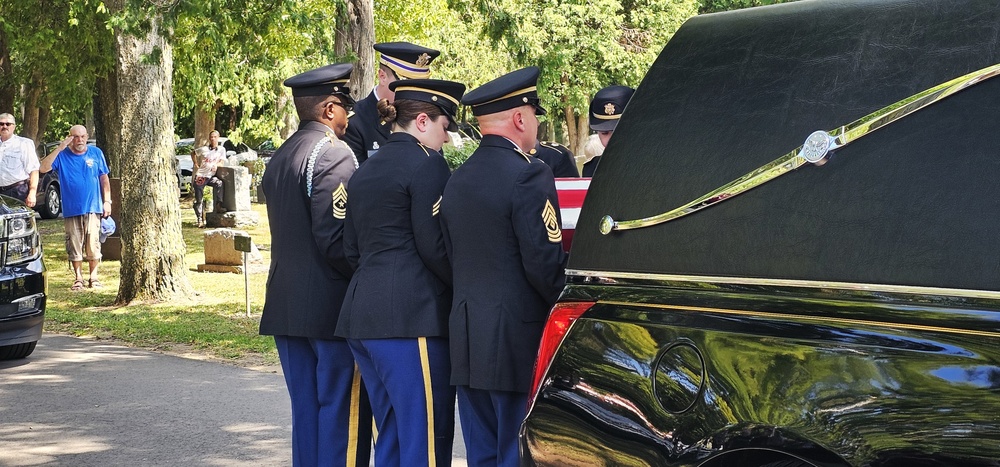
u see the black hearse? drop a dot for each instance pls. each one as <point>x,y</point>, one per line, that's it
<point>746,291</point>
<point>22,280</point>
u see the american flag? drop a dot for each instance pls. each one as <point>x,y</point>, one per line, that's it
<point>571,193</point>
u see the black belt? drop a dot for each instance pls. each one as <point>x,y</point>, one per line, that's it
<point>15,185</point>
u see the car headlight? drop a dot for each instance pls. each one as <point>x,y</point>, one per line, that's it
<point>23,244</point>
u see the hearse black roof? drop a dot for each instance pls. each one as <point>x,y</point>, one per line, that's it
<point>914,203</point>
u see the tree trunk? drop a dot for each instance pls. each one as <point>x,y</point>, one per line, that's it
<point>44,111</point>
<point>289,119</point>
<point>153,248</point>
<point>582,133</point>
<point>107,132</point>
<point>32,98</point>
<point>204,123</point>
<point>8,89</point>
<point>359,34</point>
<point>571,135</point>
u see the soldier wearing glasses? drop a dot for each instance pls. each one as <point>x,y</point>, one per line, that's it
<point>400,60</point>
<point>306,188</point>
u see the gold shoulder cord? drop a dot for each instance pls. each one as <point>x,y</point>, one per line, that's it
<point>815,150</point>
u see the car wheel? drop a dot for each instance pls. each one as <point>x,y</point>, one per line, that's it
<point>53,202</point>
<point>16,351</point>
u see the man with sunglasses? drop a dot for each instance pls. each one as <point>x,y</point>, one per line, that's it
<point>18,163</point>
<point>400,60</point>
<point>306,188</point>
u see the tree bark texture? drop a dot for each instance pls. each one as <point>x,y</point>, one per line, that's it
<point>577,130</point>
<point>32,100</point>
<point>360,34</point>
<point>8,90</point>
<point>286,108</point>
<point>153,249</point>
<point>44,112</point>
<point>582,133</point>
<point>204,123</point>
<point>107,126</point>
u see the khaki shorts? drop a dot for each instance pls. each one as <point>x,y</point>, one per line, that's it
<point>83,235</point>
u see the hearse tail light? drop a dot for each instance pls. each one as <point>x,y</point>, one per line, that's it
<point>560,319</point>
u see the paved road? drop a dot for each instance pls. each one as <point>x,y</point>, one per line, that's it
<point>83,403</point>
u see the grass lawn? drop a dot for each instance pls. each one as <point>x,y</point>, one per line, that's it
<point>213,322</point>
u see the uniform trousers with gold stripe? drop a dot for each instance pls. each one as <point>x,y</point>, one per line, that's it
<point>412,400</point>
<point>331,417</point>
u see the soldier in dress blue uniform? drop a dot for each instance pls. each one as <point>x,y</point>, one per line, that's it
<point>306,188</point>
<point>500,218</point>
<point>395,316</point>
<point>558,157</point>
<point>605,111</point>
<point>400,60</point>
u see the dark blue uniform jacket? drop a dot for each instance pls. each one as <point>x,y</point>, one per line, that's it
<point>402,283</point>
<point>501,228</point>
<point>309,272</point>
<point>558,157</point>
<point>365,131</point>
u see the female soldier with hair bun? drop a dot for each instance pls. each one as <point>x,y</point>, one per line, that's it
<point>395,316</point>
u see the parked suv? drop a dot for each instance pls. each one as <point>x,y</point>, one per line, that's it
<point>22,281</point>
<point>743,291</point>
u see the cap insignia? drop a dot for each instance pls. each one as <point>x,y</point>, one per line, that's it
<point>524,99</point>
<point>551,223</point>
<point>336,89</point>
<point>609,108</point>
<point>340,202</point>
<point>423,60</point>
<point>434,98</point>
<point>437,207</point>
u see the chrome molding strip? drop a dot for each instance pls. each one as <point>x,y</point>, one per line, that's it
<point>815,150</point>
<point>822,319</point>
<point>613,278</point>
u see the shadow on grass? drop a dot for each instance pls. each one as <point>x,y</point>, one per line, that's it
<point>212,321</point>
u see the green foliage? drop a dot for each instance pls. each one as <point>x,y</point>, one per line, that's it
<point>467,55</point>
<point>580,45</point>
<point>240,60</point>
<point>712,6</point>
<point>455,156</point>
<point>59,50</point>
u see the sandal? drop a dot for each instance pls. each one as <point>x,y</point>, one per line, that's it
<point>77,285</point>
<point>96,284</point>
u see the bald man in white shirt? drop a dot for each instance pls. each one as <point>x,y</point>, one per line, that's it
<point>18,163</point>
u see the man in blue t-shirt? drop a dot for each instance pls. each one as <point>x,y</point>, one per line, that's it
<point>86,196</point>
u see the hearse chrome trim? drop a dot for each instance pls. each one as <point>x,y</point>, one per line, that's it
<point>803,317</point>
<point>616,278</point>
<point>815,150</point>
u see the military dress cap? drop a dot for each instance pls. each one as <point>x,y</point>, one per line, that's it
<point>607,107</point>
<point>323,81</point>
<point>409,61</point>
<point>512,90</point>
<point>445,94</point>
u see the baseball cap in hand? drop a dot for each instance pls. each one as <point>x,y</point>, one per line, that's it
<point>107,228</point>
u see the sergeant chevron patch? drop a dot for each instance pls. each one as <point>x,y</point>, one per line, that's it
<point>551,223</point>
<point>340,202</point>
<point>437,207</point>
